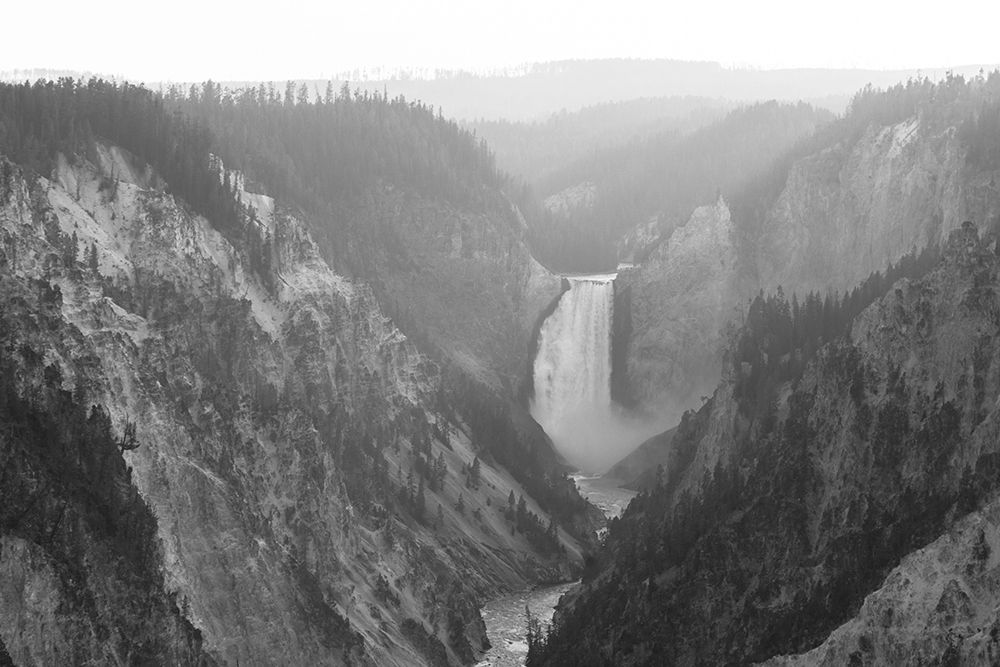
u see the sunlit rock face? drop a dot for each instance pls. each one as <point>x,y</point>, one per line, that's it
<point>852,209</point>
<point>681,299</point>
<point>265,405</point>
<point>843,212</point>
<point>941,602</point>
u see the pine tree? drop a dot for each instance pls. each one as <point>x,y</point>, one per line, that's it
<point>418,505</point>
<point>475,472</point>
<point>69,257</point>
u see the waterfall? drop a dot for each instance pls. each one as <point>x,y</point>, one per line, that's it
<point>572,374</point>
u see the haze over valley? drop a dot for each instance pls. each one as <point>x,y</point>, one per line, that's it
<point>559,334</point>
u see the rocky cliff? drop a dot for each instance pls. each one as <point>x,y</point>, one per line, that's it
<point>773,524</point>
<point>680,299</point>
<point>854,208</point>
<point>938,606</point>
<point>852,200</point>
<point>313,498</point>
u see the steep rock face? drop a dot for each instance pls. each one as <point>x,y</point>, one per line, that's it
<point>941,605</point>
<point>842,213</point>
<point>680,300</point>
<point>638,241</point>
<point>81,578</point>
<point>282,419</point>
<point>850,210</point>
<point>769,530</point>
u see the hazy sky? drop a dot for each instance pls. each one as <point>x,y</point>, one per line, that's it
<point>278,39</point>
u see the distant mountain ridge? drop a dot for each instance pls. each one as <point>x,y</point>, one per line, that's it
<point>535,150</point>
<point>546,88</point>
<point>534,91</point>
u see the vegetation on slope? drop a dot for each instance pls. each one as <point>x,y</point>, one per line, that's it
<point>67,496</point>
<point>746,157</point>
<point>663,178</point>
<point>972,105</point>
<point>322,156</point>
<point>828,471</point>
<point>779,337</point>
<point>334,158</point>
<point>536,150</point>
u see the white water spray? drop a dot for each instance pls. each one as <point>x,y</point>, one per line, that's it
<point>572,377</point>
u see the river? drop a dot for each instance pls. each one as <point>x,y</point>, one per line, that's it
<point>506,623</point>
<point>604,493</point>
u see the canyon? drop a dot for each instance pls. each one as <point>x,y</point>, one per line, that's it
<point>263,406</point>
<point>271,546</point>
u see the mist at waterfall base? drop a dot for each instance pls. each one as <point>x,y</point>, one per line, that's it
<point>572,380</point>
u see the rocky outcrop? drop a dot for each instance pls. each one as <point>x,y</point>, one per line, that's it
<point>681,298</point>
<point>849,209</point>
<point>638,241</point>
<point>282,420</point>
<point>573,198</point>
<point>81,578</point>
<point>641,469</point>
<point>772,525</point>
<point>854,208</point>
<point>940,605</point>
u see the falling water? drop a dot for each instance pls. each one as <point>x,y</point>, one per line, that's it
<point>572,375</point>
<point>573,366</point>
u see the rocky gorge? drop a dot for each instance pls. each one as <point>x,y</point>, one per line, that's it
<point>771,526</point>
<point>281,382</point>
<point>847,203</point>
<point>265,413</point>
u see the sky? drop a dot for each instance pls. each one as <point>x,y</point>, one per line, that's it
<point>187,40</point>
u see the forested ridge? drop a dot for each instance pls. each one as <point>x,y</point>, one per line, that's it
<point>313,149</point>
<point>320,154</point>
<point>536,150</point>
<point>780,336</point>
<point>40,120</point>
<point>663,178</point>
<point>972,105</point>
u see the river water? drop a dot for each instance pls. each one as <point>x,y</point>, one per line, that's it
<point>506,623</point>
<point>604,493</point>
